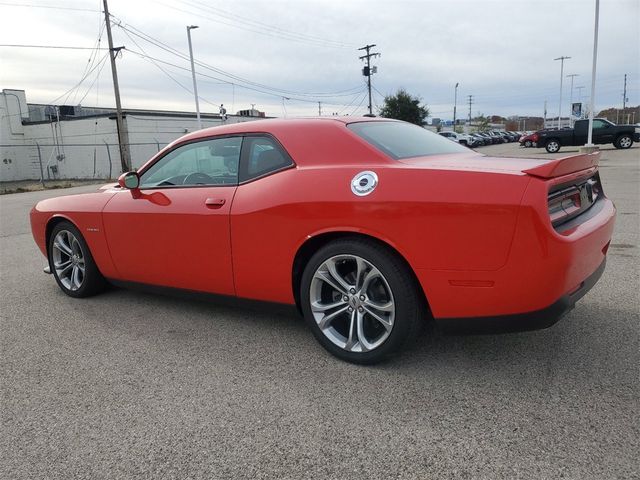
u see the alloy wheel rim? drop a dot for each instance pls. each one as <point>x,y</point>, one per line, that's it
<point>625,142</point>
<point>68,260</point>
<point>352,303</point>
<point>553,146</point>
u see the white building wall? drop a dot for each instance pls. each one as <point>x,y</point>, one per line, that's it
<point>85,147</point>
<point>14,160</point>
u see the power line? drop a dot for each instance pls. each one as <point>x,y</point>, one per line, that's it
<point>91,61</point>
<point>167,73</point>
<point>80,82</point>
<point>307,100</point>
<point>244,25</point>
<point>50,46</point>
<point>54,7</point>
<point>94,81</point>
<point>359,105</point>
<point>235,79</point>
<point>244,20</point>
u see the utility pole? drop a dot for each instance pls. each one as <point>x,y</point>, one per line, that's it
<point>562,59</point>
<point>319,109</point>
<point>366,71</point>
<point>455,103</point>
<point>544,122</point>
<point>624,94</point>
<point>193,74</point>
<point>123,135</point>
<point>572,75</point>
<point>470,97</point>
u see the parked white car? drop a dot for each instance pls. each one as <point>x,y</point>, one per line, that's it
<point>450,135</point>
<point>460,138</point>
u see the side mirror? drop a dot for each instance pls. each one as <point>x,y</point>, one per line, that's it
<point>129,180</point>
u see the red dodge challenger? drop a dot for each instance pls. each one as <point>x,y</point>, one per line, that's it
<point>369,226</point>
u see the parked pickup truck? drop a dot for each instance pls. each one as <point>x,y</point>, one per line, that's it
<point>622,136</point>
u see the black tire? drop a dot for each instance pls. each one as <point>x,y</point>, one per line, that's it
<point>92,281</point>
<point>624,141</point>
<point>552,145</point>
<point>410,310</point>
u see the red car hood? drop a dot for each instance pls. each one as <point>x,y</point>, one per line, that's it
<point>515,166</point>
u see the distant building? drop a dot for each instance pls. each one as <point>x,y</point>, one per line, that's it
<point>252,112</point>
<point>74,141</point>
<point>565,122</point>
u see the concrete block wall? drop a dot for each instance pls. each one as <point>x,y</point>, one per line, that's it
<point>84,147</point>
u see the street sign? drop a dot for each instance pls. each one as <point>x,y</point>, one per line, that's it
<point>576,109</point>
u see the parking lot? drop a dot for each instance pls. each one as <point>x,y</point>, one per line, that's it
<point>130,384</point>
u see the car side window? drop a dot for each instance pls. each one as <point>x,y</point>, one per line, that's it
<point>599,124</point>
<point>262,155</point>
<point>207,162</point>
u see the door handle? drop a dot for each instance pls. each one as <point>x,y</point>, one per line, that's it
<point>214,202</point>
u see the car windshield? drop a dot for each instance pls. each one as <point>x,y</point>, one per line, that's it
<point>404,140</point>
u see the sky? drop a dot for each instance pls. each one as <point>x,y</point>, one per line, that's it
<point>285,56</point>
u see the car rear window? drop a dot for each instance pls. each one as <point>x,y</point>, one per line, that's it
<point>404,140</point>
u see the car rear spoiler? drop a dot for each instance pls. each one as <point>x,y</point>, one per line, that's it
<point>565,165</point>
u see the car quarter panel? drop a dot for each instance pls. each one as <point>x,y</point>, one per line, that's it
<point>85,212</point>
<point>544,264</point>
<point>436,219</point>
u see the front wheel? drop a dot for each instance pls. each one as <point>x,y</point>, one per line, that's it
<point>360,300</point>
<point>552,146</point>
<point>623,141</point>
<point>72,264</point>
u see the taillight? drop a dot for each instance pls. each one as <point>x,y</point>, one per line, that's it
<point>564,204</point>
<point>571,201</point>
<point>534,137</point>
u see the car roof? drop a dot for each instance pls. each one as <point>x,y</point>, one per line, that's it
<point>298,134</point>
<point>276,125</point>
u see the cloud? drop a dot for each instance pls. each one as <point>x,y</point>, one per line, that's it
<point>501,52</point>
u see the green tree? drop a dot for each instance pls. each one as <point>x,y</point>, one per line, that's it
<point>482,123</point>
<point>403,106</point>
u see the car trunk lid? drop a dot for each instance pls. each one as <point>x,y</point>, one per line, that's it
<point>474,162</point>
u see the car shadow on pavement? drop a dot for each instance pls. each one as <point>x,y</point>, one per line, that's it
<point>572,345</point>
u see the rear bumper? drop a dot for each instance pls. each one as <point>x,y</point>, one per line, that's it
<point>544,266</point>
<point>536,320</point>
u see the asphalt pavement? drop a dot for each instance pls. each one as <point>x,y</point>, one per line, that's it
<point>135,385</point>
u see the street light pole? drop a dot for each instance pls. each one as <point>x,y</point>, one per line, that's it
<point>573,75</point>
<point>193,74</point>
<point>562,59</point>
<point>593,76</point>
<point>455,103</point>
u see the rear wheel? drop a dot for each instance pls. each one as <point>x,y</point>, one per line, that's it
<point>552,146</point>
<point>527,143</point>
<point>360,300</point>
<point>71,262</point>
<point>623,141</point>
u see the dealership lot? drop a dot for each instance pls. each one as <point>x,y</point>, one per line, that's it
<point>132,384</point>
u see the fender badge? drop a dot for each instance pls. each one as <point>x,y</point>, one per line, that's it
<point>364,183</point>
